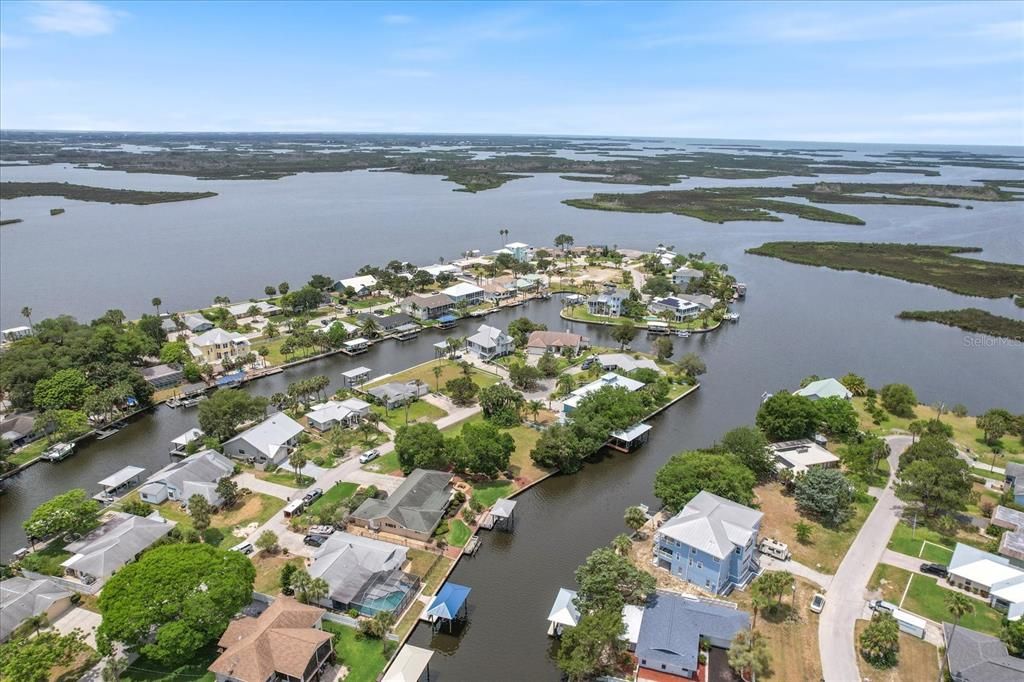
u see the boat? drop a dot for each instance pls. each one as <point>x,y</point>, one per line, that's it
<point>731,317</point>
<point>193,401</point>
<point>59,451</point>
<point>683,334</point>
<point>173,402</point>
<point>110,430</point>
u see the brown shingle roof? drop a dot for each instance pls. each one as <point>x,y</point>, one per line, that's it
<point>282,640</point>
<point>544,339</point>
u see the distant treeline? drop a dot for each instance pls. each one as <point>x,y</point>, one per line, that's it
<point>16,190</point>
<point>971,320</point>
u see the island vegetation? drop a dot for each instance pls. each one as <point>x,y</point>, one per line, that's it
<point>971,320</point>
<point>937,266</point>
<point>17,190</point>
<point>10,221</point>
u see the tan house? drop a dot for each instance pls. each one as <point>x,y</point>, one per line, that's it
<point>216,345</point>
<point>541,342</point>
<point>285,642</point>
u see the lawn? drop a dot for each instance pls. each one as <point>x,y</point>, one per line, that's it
<point>520,464</point>
<point>368,302</point>
<point>268,571</point>
<point>985,473</point>
<point>458,533</point>
<point>409,619</point>
<point>918,661</point>
<point>449,370</point>
<point>195,671</point>
<point>890,582</point>
<point>47,560</point>
<point>827,546</point>
<point>283,476</point>
<point>29,452</point>
<point>417,411</point>
<point>385,464</point>
<point>927,598</point>
<point>907,540</point>
<point>364,657</point>
<point>430,567</point>
<point>256,508</point>
<point>488,493</point>
<point>340,491</point>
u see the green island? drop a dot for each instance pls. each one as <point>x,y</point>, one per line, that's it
<point>937,266</point>
<point>971,320</point>
<point>10,221</point>
<point>17,190</point>
<point>722,204</point>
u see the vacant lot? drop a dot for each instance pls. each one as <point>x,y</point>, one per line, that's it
<point>449,370</point>
<point>930,545</point>
<point>417,411</point>
<point>268,571</point>
<point>918,662</point>
<point>889,582</point>
<point>520,464</point>
<point>252,509</point>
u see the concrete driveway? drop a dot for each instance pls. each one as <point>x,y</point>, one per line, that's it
<point>846,596</point>
<point>79,619</point>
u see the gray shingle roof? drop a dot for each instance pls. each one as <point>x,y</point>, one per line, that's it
<point>114,544</point>
<point>673,625</point>
<point>418,504</point>
<point>350,563</point>
<point>22,598</point>
<point>712,524</point>
<point>977,657</point>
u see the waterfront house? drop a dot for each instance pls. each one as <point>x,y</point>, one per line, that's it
<point>24,598</point>
<point>490,342</point>
<point>989,575</point>
<point>703,300</point>
<point>414,510</point>
<point>325,416</point>
<point>363,574</point>
<point>120,539</point>
<point>196,474</point>
<point>363,285</point>
<point>1014,480</point>
<point>20,429</point>
<point>976,657</point>
<point>519,251</point>
<point>800,455</point>
<point>711,543</point>
<point>162,376</point>
<point>239,310</point>
<point>684,275</point>
<point>270,441</point>
<point>442,269</point>
<point>427,307</point>
<point>564,614</point>
<point>671,633</point>
<point>15,333</point>
<point>824,388</point>
<point>196,323</point>
<point>495,292</point>
<point>540,342</point>
<point>285,642</point>
<point>609,380</point>
<point>1011,543</point>
<point>217,345</point>
<point>395,394</point>
<point>622,362</point>
<point>607,303</point>
<point>386,323</point>
<point>680,308</point>
<point>464,292</point>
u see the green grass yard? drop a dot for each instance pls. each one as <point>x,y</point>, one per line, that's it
<point>47,560</point>
<point>364,657</point>
<point>926,597</point>
<point>341,491</point>
<point>488,493</point>
<point>195,671</point>
<point>385,464</point>
<point>449,370</point>
<point>891,581</point>
<point>418,411</point>
<point>458,533</point>
<point>927,544</point>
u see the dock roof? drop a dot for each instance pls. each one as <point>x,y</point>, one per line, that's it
<point>408,665</point>
<point>121,476</point>
<point>448,601</point>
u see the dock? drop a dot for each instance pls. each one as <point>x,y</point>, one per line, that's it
<point>406,332</point>
<point>472,546</point>
<point>355,346</point>
<point>103,434</point>
<point>118,482</point>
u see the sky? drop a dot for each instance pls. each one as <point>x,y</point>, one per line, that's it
<point>926,72</point>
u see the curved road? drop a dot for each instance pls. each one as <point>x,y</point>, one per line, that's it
<point>846,594</point>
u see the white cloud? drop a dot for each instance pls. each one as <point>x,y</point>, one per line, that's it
<point>397,19</point>
<point>11,42</point>
<point>80,18</point>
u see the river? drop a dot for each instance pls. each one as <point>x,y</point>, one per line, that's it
<point>795,321</point>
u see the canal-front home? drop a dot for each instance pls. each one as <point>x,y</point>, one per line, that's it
<point>824,388</point>
<point>414,510</point>
<point>608,303</point>
<point>684,275</point>
<point>162,376</point>
<point>285,642</point>
<point>363,574</point>
<point>800,455</point>
<point>396,394</point>
<point>609,380</point>
<point>464,292</point>
<point>427,307</point>
<point>270,441</point>
<point>348,412</point>
<point>118,540</point>
<point>197,474</point>
<point>711,543</point>
<point>490,342</point>
<point>216,345</point>
<point>540,342</point>
<point>680,308</point>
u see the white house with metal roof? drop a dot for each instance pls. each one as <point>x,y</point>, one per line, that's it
<point>120,539</point>
<point>800,455</point>
<point>824,388</point>
<point>348,412</point>
<point>464,292</point>
<point>988,575</point>
<point>197,474</point>
<point>272,440</point>
<point>363,285</point>
<point>490,342</point>
<point>609,380</point>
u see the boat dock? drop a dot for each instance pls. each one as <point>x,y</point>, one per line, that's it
<point>109,431</point>
<point>118,482</point>
<point>472,546</point>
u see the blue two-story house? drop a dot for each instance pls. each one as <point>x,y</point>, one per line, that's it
<point>711,543</point>
<point>1015,480</point>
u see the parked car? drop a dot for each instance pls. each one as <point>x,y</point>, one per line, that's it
<point>935,569</point>
<point>313,495</point>
<point>588,363</point>
<point>244,548</point>
<point>882,606</point>
<point>368,456</point>
<point>314,540</point>
<point>321,530</point>
<point>818,602</point>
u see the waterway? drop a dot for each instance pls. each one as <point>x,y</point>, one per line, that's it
<point>795,321</point>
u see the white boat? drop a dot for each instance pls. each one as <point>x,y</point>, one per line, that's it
<point>731,317</point>
<point>683,334</point>
<point>56,453</point>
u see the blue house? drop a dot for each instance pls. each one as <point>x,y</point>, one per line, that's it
<point>1015,480</point>
<point>711,543</point>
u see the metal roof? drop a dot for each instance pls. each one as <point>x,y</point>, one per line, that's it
<point>408,665</point>
<point>448,601</point>
<point>121,476</point>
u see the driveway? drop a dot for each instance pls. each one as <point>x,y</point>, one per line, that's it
<point>822,580</point>
<point>846,596</point>
<point>248,480</point>
<point>79,619</point>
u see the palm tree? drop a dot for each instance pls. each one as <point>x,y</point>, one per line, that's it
<point>622,544</point>
<point>437,377</point>
<point>156,303</point>
<point>958,605</point>
<point>368,430</point>
<point>297,460</point>
<point>467,368</point>
<point>26,312</point>
<point>369,328</point>
<point>758,601</point>
<point>535,406</point>
<point>565,384</point>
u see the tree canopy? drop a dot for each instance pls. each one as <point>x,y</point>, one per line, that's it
<point>220,416</point>
<point>70,512</point>
<point>751,448</point>
<point>825,494</point>
<point>785,416</point>
<point>420,446</point>
<point>684,475</point>
<point>607,580</point>
<point>31,659</point>
<point>899,399</point>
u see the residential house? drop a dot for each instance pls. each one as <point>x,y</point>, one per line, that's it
<point>363,574</point>
<point>671,633</point>
<point>386,323</point>
<point>703,300</point>
<point>495,291</point>
<point>464,292</point>
<point>239,310</point>
<point>608,303</point>
<point>609,380</point>
<point>24,598</point>
<point>196,474</point>
<point>711,543</point>
<point>270,441</point>
<point>196,323</point>
<point>1011,544</point>
<point>414,510</point>
<point>824,388</point>
<point>684,275</point>
<point>564,614</point>
<point>20,429</point>
<point>490,342</point>
<point>217,345</point>
<point>442,269</point>
<point>427,307</point>
<point>363,285</point>
<point>396,394</point>
<point>520,251</point>
<point>162,376</point>
<point>622,362</point>
<point>285,642</point>
<point>976,657</point>
<point>680,308</point>
<point>989,575</point>
<point>1014,480</point>
<point>119,540</point>
<point>15,333</point>
<point>540,342</point>
<point>800,455</point>
<point>325,416</point>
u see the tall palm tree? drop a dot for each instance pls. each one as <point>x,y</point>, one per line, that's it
<point>958,605</point>
<point>535,406</point>
<point>26,312</point>
<point>437,377</point>
<point>565,383</point>
<point>156,303</point>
